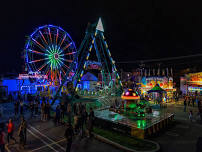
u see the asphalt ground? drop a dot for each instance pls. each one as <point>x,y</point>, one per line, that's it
<point>46,137</point>
<point>183,136</point>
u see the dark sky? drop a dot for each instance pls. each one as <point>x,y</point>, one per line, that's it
<point>135,29</point>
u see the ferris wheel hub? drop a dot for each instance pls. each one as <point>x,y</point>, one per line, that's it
<point>56,56</point>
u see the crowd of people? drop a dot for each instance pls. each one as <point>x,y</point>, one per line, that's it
<point>192,101</point>
<point>79,122</point>
<point>22,133</point>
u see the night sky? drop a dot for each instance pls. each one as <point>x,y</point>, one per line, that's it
<point>135,29</point>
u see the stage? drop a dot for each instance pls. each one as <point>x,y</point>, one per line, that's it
<point>140,128</point>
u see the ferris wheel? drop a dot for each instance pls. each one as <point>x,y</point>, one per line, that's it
<point>51,51</point>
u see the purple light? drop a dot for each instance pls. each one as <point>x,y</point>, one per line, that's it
<point>127,93</point>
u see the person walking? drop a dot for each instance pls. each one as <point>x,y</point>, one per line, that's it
<point>36,107</point>
<point>32,109</point>
<point>191,115</point>
<point>16,108</point>
<point>24,128</point>
<point>62,108</point>
<point>74,108</point>
<point>91,115</point>
<point>69,133</point>
<point>57,115</point>
<point>48,110</point>
<point>10,129</point>
<point>21,107</point>
<point>185,105</point>
<point>192,101</point>
<point>85,115</point>
<point>69,113</point>
<point>2,141</point>
<point>76,123</point>
<point>21,136</point>
<point>189,101</point>
<point>42,110</point>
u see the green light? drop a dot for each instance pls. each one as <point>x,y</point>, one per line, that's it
<point>54,54</point>
<point>132,105</point>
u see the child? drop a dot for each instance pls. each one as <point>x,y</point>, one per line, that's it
<point>191,115</point>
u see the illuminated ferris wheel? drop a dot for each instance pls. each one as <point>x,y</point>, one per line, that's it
<point>51,51</point>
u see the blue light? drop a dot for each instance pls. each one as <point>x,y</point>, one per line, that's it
<point>11,83</point>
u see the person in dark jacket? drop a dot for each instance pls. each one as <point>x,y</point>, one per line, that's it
<point>32,109</point>
<point>57,115</point>
<point>69,133</point>
<point>185,105</point>
<point>2,140</point>
<point>21,137</point>
<point>36,107</point>
<point>62,108</point>
<point>16,107</point>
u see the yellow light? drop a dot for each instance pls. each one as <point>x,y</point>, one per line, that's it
<point>90,49</point>
<point>130,97</point>
<point>106,45</point>
<point>109,53</point>
<point>92,41</point>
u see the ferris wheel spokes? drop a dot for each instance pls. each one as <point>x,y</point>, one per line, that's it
<point>70,53</point>
<point>67,60</point>
<point>56,37</point>
<point>41,46</point>
<point>37,52</point>
<point>68,45</point>
<point>43,37</point>
<point>49,34</point>
<point>42,66</point>
<point>37,60</point>
<point>62,40</point>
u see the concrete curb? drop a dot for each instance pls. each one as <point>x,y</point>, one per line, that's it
<point>103,139</point>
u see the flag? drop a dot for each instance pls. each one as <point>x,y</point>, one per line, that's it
<point>158,73</point>
<point>149,73</point>
<point>154,72</point>
<point>145,72</point>
<point>163,72</point>
<point>167,71</point>
<point>171,72</point>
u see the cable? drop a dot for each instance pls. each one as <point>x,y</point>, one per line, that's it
<point>162,59</point>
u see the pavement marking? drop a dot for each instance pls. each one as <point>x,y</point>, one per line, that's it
<point>41,140</point>
<point>48,144</point>
<point>47,138</point>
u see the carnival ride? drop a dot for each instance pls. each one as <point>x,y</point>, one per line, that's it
<point>50,51</point>
<point>94,40</point>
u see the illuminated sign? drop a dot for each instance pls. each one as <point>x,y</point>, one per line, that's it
<point>93,65</point>
<point>195,78</point>
<point>35,75</point>
<point>163,82</point>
